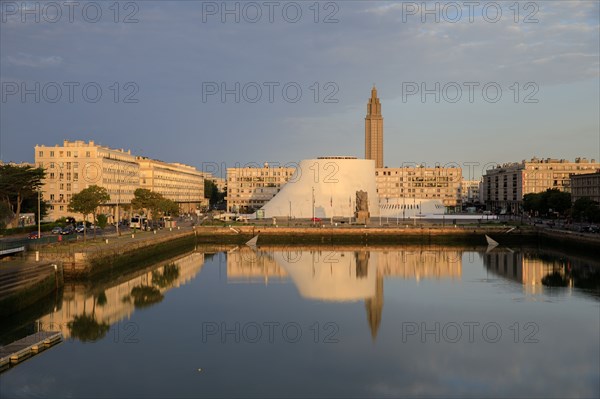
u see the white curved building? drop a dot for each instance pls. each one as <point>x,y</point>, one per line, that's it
<point>325,187</point>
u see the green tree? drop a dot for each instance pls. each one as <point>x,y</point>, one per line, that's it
<point>102,220</point>
<point>532,203</point>
<point>146,201</point>
<point>87,201</point>
<point>557,200</point>
<point>5,214</point>
<point>211,191</point>
<point>154,204</point>
<point>167,207</point>
<point>586,210</point>
<point>17,183</point>
<point>551,199</point>
<point>30,205</point>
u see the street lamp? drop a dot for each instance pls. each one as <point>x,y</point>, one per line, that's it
<point>118,201</point>
<point>39,235</point>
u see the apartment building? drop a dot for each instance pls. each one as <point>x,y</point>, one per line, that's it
<point>469,191</point>
<point>178,182</point>
<point>76,165</point>
<point>421,182</point>
<point>504,186</point>
<point>586,185</point>
<point>250,188</point>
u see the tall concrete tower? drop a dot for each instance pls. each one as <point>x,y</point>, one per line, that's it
<point>374,130</point>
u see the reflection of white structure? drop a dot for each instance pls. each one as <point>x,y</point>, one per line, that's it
<point>347,274</point>
<point>337,276</point>
<point>327,186</point>
<point>329,275</point>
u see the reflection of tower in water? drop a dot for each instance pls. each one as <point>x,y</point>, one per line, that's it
<point>351,274</point>
<point>374,307</point>
<point>373,304</point>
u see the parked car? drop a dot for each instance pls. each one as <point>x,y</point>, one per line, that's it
<point>315,219</point>
<point>80,228</point>
<point>56,230</point>
<point>33,235</point>
<point>594,229</point>
<point>68,230</point>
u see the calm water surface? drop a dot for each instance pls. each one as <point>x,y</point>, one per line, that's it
<point>355,322</point>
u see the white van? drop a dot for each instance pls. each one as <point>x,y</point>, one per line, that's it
<point>135,222</point>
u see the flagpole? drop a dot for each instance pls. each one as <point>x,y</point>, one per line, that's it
<point>313,205</point>
<point>331,206</point>
<point>350,212</point>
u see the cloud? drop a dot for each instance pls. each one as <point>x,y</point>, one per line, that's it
<point>34,61</point>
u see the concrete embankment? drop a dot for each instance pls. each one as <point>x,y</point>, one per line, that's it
<point>113,255</point>
<point>106,258</point>
<point>22,285</point>
<point>390,235</point>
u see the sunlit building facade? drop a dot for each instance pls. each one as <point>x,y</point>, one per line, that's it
<point>504,186</point>
<point>178,182</point>
<point>76,165</point>
<point>421,182</point>
<point>374,130</point>
<point>250,188</point>
<point>469,191</point>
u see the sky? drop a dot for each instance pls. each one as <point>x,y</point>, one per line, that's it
<point>215,84</point>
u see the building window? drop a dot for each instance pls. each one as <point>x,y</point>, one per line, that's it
<point>41,154</point>
<point>51,153</point>
<point>88,154</point>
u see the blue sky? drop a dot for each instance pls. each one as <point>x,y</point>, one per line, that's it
<point>176,51</point>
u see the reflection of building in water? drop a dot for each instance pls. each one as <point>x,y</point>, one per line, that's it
<point>523,268</point>
<point>248,266</point>
<point>329,275</point>
<point>419,264</point>
<point>374,307</point>
<point>114,303</point>
<point>358,275</point>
